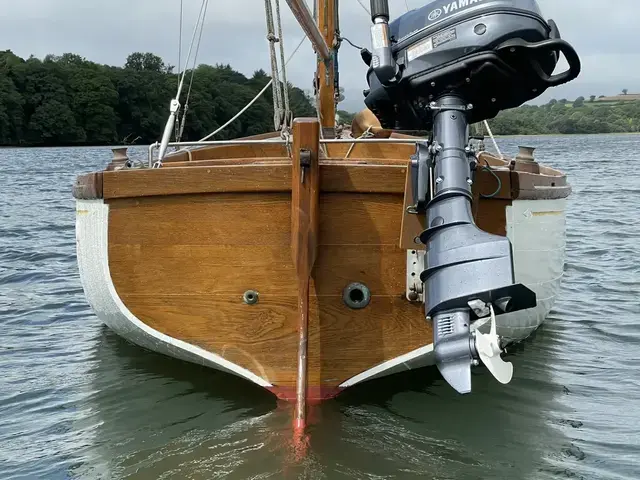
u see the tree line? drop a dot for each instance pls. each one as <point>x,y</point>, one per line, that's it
<point>582,116</point>
<point>68,100</point>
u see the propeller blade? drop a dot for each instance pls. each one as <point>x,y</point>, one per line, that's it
<point>488,347</point>
<point>489,354</point>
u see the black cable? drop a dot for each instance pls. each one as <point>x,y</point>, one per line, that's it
<point>350,42</point>
<point>490,170</point>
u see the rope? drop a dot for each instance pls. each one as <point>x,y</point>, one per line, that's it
<point>495,144</point>
<point>364,135</point>
<point>285,86</point>
<point>323,146</point>
<point>277,92</point>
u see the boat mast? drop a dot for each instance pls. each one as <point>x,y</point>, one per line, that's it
<point>321,31</point>
<point>326,75</point>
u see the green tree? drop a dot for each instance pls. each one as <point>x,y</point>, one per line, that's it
<point>145,61</point>
<point>53,123</point>
<point>11,119</point>
<point>345,117</point>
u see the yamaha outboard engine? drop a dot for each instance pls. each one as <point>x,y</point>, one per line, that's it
<point>440,68</point>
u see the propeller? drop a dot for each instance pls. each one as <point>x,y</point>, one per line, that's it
<point>488,348</point>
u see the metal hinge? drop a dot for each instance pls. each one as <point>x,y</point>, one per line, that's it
<point>305,162</point>
<point>415,266</point>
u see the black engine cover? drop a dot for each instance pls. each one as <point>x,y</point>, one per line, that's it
<point>496,54</point>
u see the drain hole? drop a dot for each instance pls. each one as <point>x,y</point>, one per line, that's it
<point>356,296</point>
<point>250,297</point>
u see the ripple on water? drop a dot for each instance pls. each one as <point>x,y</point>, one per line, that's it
<point>78,402</point>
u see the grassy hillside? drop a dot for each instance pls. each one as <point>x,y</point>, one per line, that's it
<point>563,117</point>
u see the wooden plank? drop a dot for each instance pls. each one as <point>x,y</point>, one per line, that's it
<point>398,151</point>
<point>287,161</point>
<point>240,151</point>
<point>187,269</point>
<point>530,186</point>
<point>262,337</point>
<point>251,219</point>
<point>249,178</point>
<point>362,178</point>
<point>230,161</point>
<point>180,181</point>
<point>491,215</point>
<point>88,186</point>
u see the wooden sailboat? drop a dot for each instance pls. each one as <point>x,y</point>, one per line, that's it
<point>298,263</point>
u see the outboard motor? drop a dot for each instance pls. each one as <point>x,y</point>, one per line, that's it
<point>440,68</point>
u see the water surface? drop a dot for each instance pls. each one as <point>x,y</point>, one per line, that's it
<point>76,401</point>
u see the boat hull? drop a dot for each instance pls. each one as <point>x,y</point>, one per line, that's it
<point>536,229</point>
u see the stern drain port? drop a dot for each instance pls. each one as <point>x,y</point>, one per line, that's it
<point>356,296</point>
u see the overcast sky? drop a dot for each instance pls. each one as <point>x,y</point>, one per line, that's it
<point>605,34</point>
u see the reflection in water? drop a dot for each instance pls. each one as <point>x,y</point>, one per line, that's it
<point>157,417</point>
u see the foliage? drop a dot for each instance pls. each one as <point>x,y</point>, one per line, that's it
<point>345,117</point>
<point>565,118</point>
<point>68,100</point>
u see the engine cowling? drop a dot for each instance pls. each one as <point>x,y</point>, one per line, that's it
<point>496,54</point>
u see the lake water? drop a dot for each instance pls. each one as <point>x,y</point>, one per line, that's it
<point>78,402</point>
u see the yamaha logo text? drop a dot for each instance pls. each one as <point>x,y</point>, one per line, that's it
<point>450,8</point>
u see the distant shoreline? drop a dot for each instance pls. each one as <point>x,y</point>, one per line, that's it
<point>115,145</point>
<point>564,134</point>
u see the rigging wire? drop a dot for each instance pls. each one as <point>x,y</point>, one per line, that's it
<point>363,6</point>
<point>248,105</point>
<point>193,71</point>
<point>180,36</point>
<point>180,22</point>
<point>174,107</point>
<point>193,39</point>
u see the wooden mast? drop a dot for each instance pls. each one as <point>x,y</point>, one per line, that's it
<point>327,16</point>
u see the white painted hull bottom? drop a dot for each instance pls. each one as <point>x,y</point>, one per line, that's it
<point>536,229</point>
